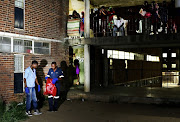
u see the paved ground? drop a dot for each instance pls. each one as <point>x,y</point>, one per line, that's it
<point>78,111</point>
<point>120,94</point>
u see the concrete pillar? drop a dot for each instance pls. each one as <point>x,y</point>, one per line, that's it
<point>177,3</point>
<point>87,68</point>
<point>106,70</point>
<point>87,19</point>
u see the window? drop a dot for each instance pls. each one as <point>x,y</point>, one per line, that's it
<point>153,58</point>
<point>22,46</point>
<point>173,66</point>
<point>5,44</point>
<point>18,73</point>
<point>127,55</point>
<point>115,54</point>
<point>19,14</point>
<point>18,63</point>
<point>131,56</point>
<point>165,66</point>
<point>164,55</point>
<point>121,54</point>
<point>110,53</point>
<point>41,48</point>
<point>139,56</point>
<point>173,55</point>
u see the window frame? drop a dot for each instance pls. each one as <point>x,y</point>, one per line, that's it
<point>41,42</point>
<point>23,45</point>
<point>7,44</point>
<point>33,41</point>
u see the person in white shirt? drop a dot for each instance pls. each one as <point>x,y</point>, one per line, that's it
<point>119,25</point>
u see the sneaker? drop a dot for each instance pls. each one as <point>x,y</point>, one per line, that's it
<point>37,112</point>
<point>28,113</point>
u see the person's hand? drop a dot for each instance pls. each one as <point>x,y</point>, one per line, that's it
<point>46,78</point>
<point>39,88</point>
<point>54,80</point>
<point>27,90</point>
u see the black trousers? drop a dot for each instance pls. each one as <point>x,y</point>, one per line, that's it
<point>53,101</point>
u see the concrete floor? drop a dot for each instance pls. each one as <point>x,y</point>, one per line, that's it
<point>78,111</point>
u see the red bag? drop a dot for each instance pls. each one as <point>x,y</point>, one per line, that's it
<point>148,14</point>
<point>50,88</point>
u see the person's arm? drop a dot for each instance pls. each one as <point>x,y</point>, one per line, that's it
<point>37,82</point>
<point>122,25</point>
<point>61,75</point>
<point>25,77</point>
<point>25,82</point>
<point>48,74</point>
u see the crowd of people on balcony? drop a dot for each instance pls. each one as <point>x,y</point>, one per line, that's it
<point>151,18</point>
<point>157,17</point>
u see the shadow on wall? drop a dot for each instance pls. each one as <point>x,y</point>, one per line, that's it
<point>67,81</point>
<point>41,78</point>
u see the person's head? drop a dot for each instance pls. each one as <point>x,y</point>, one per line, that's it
<point>102,8</point>
<point>63,65</point>
<point>53,65</point>
<point>145,3</point>
<point>76,62</point>
<point>110,9</point>
<point>74,13</point>
<point>43,63</point>
<point>82,13</point>
<point>115,17</point>
<point>34,64</point>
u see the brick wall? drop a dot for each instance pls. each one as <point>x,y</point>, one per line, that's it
<point>58,53</point>
<point>43,18</point>
<point>6,75</point>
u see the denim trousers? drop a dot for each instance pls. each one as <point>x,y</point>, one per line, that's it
<point>31,97</point>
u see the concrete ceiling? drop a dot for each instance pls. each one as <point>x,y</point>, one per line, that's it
<point>121,3</point>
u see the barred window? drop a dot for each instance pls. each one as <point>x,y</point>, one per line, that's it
<point>5,44</point>
<point>18,63</point>
<point>22,46</point>
<point>18,73</point>
<point>19,3</point>
<point>41,48</point>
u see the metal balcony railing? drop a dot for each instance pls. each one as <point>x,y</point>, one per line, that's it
<point>148,82</point>
<point>167,81</point>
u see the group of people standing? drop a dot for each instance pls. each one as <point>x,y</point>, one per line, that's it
<point>30,80</point>
<point>155,17</point>
<point>107,22</point>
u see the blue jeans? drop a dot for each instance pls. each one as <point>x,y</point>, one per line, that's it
<point>31,97</point>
